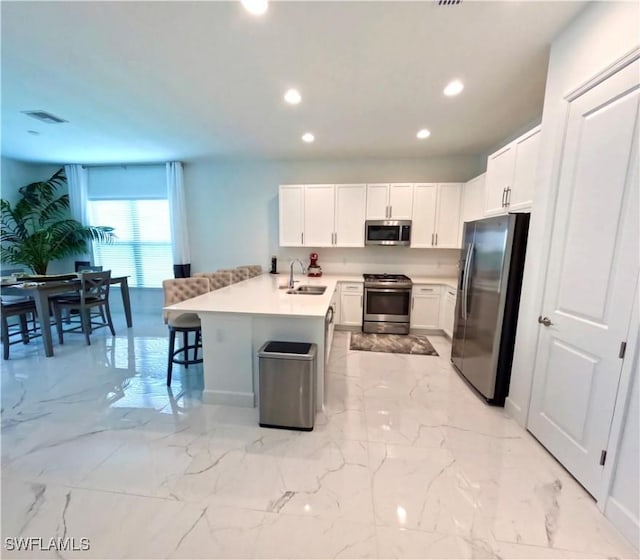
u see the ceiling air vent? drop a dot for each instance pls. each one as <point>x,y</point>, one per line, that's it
<point>448,2</point>
<point>44,117</point>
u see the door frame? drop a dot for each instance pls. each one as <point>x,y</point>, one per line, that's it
<point>621,404</point>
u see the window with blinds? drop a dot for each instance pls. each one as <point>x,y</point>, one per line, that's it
<point>142,249</point>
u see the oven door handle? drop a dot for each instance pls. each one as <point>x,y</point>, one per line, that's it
<point>388,290</point>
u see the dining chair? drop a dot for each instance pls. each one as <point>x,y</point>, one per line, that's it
<point>217,280</point>
<point>21,309</point>
<point>236,274</point>
<point>93,294</point>
<point>176,290</point>
<point>252,269</point>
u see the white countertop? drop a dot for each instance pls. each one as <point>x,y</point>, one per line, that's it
<point>449,282</point>
<point>262,296</point>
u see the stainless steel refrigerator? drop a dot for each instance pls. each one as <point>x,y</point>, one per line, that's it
<point>489,283</point>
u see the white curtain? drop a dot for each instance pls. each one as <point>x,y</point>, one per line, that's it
<point>77,181</point>
<point>178,214</point>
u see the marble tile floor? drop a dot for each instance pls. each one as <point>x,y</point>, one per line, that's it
<point>405,462</point>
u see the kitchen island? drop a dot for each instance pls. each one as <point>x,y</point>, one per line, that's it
<point>238,319</point>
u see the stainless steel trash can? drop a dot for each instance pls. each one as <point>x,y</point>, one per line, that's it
<point>287,385</point>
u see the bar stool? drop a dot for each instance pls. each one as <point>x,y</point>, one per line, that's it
<point>177,290</point>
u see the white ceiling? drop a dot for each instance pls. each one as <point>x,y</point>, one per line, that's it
<point>157,81</point>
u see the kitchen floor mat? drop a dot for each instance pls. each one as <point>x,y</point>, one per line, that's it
<point>392,343</point>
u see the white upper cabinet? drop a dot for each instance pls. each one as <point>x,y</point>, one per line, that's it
<point>473,197</point>
<point>423,221</point>
<point>436,215</point>
<point>472,203</point>
<point>510,179</point>
<point>378,202</point>
<point>350,202</point>
<point>499,175</point>
<point>322,215</point>
<point>291,208</point>
<point>389,201</point>
<point>400,201</point>
<point>524,178</point>
<point>318,215</point>
<point>447,233</point>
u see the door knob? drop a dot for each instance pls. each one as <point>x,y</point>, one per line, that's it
<point>545,321</point>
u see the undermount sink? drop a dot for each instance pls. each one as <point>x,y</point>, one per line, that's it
<point>308,290</point>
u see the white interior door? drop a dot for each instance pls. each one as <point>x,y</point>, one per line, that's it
<point>593,267</point>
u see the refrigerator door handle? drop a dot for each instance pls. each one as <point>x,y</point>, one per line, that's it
<point>465,286</point>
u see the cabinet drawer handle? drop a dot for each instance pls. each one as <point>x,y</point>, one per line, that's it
<point>436,239</point>
<point>504,197</point>
<point>508,199</point>
<point>302,238</point>
<point>413,300</point>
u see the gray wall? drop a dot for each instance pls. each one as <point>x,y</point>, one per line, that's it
<point>233,205</point>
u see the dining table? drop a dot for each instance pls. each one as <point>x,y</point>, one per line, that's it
<point>42,291</point>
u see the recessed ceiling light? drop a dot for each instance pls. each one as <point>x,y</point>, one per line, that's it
<point>308,137</point>
<point>292,96</point>
<point>424,133</point>
<point>453,88</point>
<point>256,7</point>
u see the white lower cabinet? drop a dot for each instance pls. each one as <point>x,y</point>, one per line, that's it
<point>448,310</point>
<point>351,297</point>
<point>425,306</point>
<point>335,306</point>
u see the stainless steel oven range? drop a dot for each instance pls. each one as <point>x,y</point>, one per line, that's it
<point>387,303</point>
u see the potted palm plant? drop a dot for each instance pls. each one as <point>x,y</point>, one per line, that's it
<point>38,228</point>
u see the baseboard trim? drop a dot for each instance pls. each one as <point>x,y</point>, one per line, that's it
<point>624,521</point>
<point>229,398</point>
<point>515,411</point>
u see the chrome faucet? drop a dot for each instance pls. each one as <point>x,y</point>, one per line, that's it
<point>304,270</point>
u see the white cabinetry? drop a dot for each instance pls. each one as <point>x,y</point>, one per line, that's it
<point>318,215</point>
<point>448,310</point>
<point>351,295</point>
<point>335,310</point>
<point>291,208</point>
<point>436,215</point>
<point>472,204</point>
<point>389,201</point>
<point>511,174</point>
<point>473,197</point>
<point>322,215</point>
<point>350,202</point>
<point>425,306</point>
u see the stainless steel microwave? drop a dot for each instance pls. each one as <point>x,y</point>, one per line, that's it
<point>387,232</point>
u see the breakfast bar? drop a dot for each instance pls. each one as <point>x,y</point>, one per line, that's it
<point>238,319</point>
